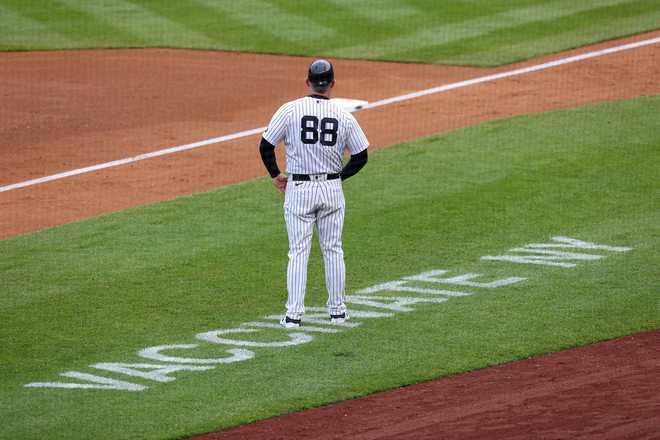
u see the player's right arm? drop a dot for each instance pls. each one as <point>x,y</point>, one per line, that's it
<point>274,133</point>
<point>267,152</point>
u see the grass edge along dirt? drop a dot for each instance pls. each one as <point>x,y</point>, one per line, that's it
<point>103,289</point>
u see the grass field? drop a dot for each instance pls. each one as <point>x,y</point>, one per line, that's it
<point>103,289</point>
<point>458,32</point>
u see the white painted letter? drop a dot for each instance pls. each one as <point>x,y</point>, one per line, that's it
<point>99,383</point>
<point>158,373</point>
<point>238,355</point>
<point>213,337</point>
<point>398,303</point>
<point>354,313</point>
<point>574,243</point>
<point>398,286</point>
<point>391,285</point>
<point>308,328</point>
<point>548,258</point>
<point>462,280</point>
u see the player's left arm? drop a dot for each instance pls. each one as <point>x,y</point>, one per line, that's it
<point>355,164</point>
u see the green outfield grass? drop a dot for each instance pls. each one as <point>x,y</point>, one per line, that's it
<point>486,32</point>
<point>103,289</point>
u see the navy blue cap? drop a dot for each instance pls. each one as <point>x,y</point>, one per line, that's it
<point>321,73</point>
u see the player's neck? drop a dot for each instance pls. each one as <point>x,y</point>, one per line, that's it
<point>325,94</point>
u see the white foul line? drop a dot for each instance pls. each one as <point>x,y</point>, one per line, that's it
<point>510,73</point>
<point>380,103</point>
<point>132,159</point>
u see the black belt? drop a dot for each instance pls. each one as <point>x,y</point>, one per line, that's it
<point>313,177</point>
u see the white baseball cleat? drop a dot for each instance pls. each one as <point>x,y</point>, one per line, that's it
<point>287,322</point>
<point>339,319</point>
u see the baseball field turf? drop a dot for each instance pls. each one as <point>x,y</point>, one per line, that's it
<point>489,32</point>
<point>103,303</point>
<point>101,290</point>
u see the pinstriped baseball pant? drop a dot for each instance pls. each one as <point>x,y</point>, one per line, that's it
<point>306,204</point>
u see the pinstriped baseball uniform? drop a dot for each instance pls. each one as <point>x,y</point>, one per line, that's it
<point>315,132</point>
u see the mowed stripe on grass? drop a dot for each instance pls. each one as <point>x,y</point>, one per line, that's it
<point>103,289</point>
<point>483,33</point>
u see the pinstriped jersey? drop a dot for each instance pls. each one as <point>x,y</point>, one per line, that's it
<point>315,132</point>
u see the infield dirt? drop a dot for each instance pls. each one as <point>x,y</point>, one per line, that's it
<point>70,109</point>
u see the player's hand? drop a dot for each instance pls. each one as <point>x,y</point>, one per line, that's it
<point>280,182</point>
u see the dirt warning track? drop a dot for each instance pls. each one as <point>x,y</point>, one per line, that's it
<point>71,109</point>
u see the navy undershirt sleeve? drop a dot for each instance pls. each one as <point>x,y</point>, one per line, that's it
<point>355,164</point>
<point>267,151</point>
